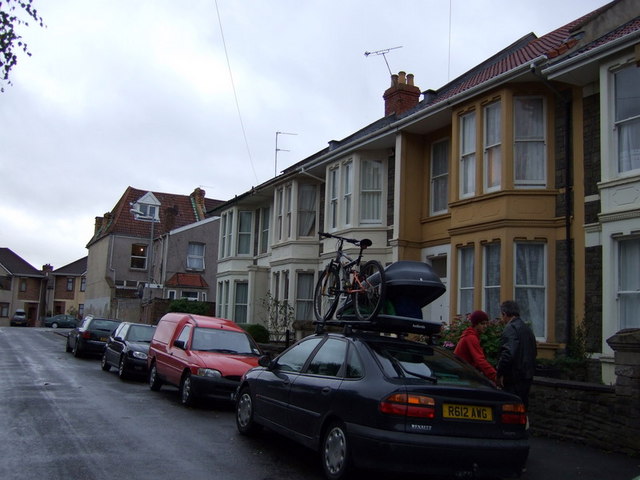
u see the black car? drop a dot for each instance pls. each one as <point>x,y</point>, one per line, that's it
<point>127,349</point>
<point>367,400</point>
<point>91,336</point>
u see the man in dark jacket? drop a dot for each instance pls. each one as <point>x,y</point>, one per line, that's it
<point>517,361</point>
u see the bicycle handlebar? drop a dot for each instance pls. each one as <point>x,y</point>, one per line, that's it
<point>364,243</point>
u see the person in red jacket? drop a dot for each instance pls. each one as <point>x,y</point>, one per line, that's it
<point>469,348</point>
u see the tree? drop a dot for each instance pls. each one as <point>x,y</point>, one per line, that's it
<point>12,15</point>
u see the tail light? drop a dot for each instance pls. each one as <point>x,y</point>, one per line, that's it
<point>409,405</point>
<point>86,335</point>
<point>514,414</point>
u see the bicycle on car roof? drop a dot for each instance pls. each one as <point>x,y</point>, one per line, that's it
<point>359,289</point>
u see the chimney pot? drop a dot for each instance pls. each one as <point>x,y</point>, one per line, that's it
<point>402,77</point>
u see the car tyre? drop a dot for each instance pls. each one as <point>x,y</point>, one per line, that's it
<point>244,413</point>
<point>186,391</point>
<point>68,347</point>
<point>122,368</point>
<point>104,364</point>
<point>54,325</point>
<point>154,381</point>
<point>335,452</point>
<point>76,351</point>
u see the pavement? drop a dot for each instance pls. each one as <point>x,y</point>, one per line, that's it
<point>551,459</point>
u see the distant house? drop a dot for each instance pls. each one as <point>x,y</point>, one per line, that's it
<point>21,286</point>
<point>124,273</point>
<point>520,179</point>
<point>66,288</point>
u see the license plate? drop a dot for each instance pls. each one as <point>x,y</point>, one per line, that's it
<point>103,339</point>
<point>467,412</point>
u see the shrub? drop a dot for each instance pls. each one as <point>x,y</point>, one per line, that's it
<point>188,306</point>
<point>489,337</point>
<point>258,332</point>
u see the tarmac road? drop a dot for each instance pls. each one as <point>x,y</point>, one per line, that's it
<point>62,418</point>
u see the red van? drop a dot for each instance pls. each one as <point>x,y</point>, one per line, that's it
<point>202,356</point>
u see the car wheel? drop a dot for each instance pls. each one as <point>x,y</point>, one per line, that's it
<point>122,368</point>
<point>76,351</point>
<point>68,348</point>
<point>186,391</point>
<point>335,452</point>
<point>54,325</point>
<point>154,381</point>
<point>104,364</point>
<point>244,413</point>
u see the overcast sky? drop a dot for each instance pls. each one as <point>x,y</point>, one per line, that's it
<point>143,93</point>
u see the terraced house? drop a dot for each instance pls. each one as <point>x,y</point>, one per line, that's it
<point>519,179</point>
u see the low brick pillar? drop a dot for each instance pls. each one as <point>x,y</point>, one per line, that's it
<point>626,345</point>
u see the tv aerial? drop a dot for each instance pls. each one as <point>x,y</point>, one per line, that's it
<point>383,52</point>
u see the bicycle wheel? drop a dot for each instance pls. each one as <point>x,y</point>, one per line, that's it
<point>368,300</point>
<point>326,294</point>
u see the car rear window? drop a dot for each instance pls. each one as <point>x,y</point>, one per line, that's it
<point>103,324</point>
<point>138,333</point>
<point>223,341</point>
<point>413,361</point>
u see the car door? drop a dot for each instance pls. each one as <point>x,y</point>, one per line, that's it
<point>312,394</point>
<point>115,345</point>
<point>178,355</point>
<point>273,385</point>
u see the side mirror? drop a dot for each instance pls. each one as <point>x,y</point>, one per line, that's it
<point>265,361</point>
<point>180,344</point>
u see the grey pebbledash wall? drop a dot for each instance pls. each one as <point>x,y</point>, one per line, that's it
<point>603,416</point>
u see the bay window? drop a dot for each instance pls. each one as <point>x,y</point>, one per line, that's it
<point>307,210</point>
<point>244,232</point>
<point>492,147</point>
<point>347,191</point>
<point>530,284</point>
<point>465,280</point>
<point>468,155</point>
<point>241,302</point>
<point>333,197</point>
<point>491,280</point>
<point>371,178</point>
<point>629,283</point>
<point>304,296</point>
<point>439,191</point>
<point>264,229</point>
<point>627,117</point>
<point>529,152</point>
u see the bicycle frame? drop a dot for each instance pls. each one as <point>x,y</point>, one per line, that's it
<point>348,275</point>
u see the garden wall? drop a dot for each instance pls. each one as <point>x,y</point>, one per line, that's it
<point>603,416</point>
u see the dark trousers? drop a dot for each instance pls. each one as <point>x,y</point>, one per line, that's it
<point>521,389</point>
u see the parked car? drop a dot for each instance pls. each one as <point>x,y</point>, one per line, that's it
<point>62,320</point>
<point>203,356</point>
<point>91,336</point>
<point>19,319</point>
<point>364,400</point>
<point>127,349</point>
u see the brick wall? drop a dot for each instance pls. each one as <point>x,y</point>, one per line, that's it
<point>603,416</point>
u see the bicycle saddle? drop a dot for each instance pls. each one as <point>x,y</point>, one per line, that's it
<point>365,242</point>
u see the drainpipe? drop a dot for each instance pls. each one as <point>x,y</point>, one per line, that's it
<point>568,152</point>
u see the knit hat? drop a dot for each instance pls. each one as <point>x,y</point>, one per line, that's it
<point>478,317</point>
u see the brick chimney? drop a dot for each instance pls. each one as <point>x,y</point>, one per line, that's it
<point>402,95</point>
<point>198,201</point>
<point>98,224</point>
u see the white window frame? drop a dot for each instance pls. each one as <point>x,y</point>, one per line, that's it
<point>226,234</point>
<point>374,190</point>
<point>628,289</point>
<point>244,216</point>
<point>439,177</point>
<point>333,192</point>
<point>541,140</point>
<point>195,260</point>
<point>143,247</point>
<point>265,220</point>
<point>304,304</point>
<point>538,322</point>
<point>240,309</point>
<point>466,290</point>
<point>279,212</point>
<point>492,143</point>
<point>307,208</point>
<point>491,302</point>
<point>468,155</point>
<point>288,206</point>
<point>347,192</point>
<point>621,124</point>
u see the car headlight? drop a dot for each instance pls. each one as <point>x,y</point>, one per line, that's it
<point>209,372</point>
<point>140,355</point>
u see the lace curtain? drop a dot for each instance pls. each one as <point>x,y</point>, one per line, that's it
<point>530,285</point>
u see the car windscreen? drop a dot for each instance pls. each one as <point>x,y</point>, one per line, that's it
<point>223,341</point>
<point>139,333</point>
<point>414,361</point>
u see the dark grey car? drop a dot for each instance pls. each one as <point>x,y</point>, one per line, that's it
<point>91,336</point>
